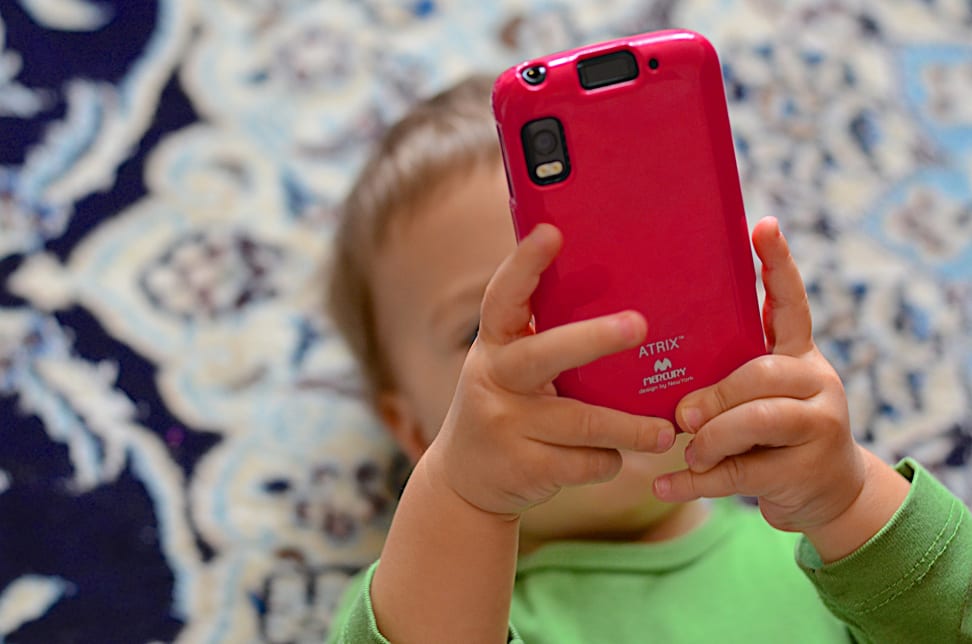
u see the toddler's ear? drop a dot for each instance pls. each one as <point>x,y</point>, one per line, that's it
<point>400,419</point>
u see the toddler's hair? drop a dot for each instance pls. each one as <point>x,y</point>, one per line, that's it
<point>436,142</point>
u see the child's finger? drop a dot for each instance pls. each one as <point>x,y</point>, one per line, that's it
<point>746,475</point>
<point>763,377</point>
<point>581,466</point>
<point>786,312</point>
<point>506,304</point>
<point>536,360</point>
<point>571,423</point>
<point>767,422</point>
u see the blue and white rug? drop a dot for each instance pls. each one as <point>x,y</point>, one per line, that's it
<point>183,455</point>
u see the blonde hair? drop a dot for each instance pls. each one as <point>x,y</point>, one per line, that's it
<point>439,138</point>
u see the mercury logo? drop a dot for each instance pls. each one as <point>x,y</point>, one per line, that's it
<point>662,365</point>
<point>664,376</point>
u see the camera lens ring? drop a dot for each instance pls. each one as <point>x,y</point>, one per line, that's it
<point>534,75</point>
<point>544,142</point>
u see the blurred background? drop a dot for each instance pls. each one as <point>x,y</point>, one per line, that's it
<point>183,452</point>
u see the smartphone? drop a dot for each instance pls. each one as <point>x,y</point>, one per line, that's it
<point>625,147</point>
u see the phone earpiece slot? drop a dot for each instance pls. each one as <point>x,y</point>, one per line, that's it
<point>609,69</point>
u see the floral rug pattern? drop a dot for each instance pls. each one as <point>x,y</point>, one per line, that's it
<point>183,452</point>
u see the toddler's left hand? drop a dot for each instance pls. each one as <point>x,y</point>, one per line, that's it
<point>777,428</point>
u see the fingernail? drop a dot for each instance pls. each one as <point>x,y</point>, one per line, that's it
<point>666,438</point>
<point>663,486</point>
<point>690,454</point>
<point>629,326</point>
<point>546,232</point>
<point>692,418</point>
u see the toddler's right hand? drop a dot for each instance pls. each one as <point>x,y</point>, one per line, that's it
<point>508,442</point>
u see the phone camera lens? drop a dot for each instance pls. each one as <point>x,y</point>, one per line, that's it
<point>653,63</point>
<point>545,151</point>
<point>544,142</point>
<point>534,75</point>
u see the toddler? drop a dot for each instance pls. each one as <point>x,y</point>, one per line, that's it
<point>532,518</point>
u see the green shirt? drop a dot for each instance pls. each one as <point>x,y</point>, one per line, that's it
<point>733,580</point>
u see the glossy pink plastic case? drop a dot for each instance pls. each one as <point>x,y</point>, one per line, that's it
<point>651,212</point>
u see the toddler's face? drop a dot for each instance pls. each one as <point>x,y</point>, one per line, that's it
<point>429,281</point>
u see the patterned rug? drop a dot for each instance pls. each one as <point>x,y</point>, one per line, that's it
<point>183,452</point>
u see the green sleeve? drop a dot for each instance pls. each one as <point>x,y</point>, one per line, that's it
<point>354,622</point>
<point>912,581</point>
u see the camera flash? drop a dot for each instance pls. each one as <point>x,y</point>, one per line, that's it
<point>552,169</point>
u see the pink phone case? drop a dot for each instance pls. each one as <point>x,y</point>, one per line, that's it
<point>650,208</point>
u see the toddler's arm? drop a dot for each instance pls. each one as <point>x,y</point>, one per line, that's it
<point>508,443</point>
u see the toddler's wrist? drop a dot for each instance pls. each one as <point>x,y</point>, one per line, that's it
<point>435,468</point>
<point>881,493</point>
